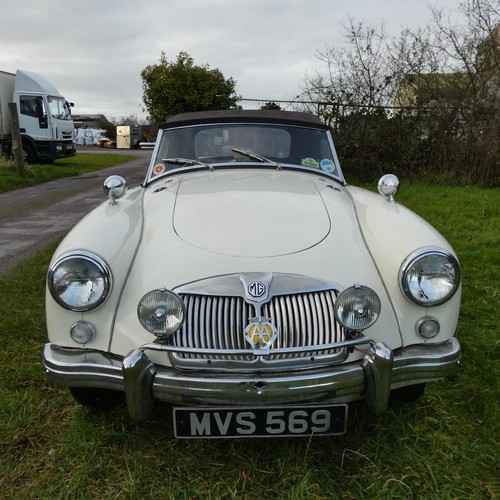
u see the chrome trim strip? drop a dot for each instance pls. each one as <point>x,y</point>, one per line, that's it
<point>231,285</point>
<point>368,249</point>
<point>127,275</point>
<point>250,352</point>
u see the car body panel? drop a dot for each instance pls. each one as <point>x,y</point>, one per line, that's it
<point>112,233</point>
<point>272,204</point>
<point>391,232</point>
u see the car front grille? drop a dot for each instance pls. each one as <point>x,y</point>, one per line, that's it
<point>215,322</point>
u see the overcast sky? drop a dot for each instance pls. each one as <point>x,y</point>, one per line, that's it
<point>94,51</point>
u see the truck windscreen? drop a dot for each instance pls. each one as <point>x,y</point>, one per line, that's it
<point>58,108</point>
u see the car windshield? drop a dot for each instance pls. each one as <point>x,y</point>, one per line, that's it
<point>230,144</point>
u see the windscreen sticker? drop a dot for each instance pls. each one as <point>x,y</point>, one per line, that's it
<point>310,162</point>
<point>159,169</point>
<point>327,165</point>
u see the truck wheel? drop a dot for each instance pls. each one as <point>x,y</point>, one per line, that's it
<point>97,398</point>
<point>408,394</point>
<point>30,155</point>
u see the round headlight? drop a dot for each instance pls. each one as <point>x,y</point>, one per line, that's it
<point>161,312</point>
<point>79,282</point>
<point>357,308</point>
<point>430,277</point>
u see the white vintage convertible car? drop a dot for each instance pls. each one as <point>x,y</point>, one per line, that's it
<point>248,285</point>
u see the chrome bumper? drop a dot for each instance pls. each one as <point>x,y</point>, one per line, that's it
<point>372,378</point>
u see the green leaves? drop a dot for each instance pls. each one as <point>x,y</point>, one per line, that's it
<point>181,86</point>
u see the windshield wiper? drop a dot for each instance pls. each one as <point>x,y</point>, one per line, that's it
<point>186,162</point>
<point>255,156</point>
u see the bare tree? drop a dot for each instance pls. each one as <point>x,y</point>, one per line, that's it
<point>357,74</point>
<point>446,78</point>
<point>466,44</point>
<point>368,69</point>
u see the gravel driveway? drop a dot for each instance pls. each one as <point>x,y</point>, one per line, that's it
<point>33,217</point>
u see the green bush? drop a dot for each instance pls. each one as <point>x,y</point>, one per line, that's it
<point>447,145</point>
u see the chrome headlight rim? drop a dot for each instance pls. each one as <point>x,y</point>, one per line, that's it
<point>93,259</point>
<point>412,259</point>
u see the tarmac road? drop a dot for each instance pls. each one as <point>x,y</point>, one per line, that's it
<point>33,217</point>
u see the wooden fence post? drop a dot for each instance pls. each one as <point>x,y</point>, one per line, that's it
<point>17,143</point>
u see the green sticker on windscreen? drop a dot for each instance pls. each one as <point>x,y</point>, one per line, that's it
<point>310,162</point>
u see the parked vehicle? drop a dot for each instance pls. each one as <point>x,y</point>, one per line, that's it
<point>247,284</point>
<point>44,117</point>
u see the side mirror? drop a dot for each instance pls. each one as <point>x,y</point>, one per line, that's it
<point>115,188</point>
<point>42,117</point>
<point>388,186</point>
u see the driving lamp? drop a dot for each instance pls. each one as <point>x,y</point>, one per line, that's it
<point>357,308</point>
<point>161,312</point>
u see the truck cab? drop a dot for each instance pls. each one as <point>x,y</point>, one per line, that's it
<point>45,121</point>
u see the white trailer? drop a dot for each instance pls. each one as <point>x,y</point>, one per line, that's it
<point>47,129</point>
<point>128,137</point>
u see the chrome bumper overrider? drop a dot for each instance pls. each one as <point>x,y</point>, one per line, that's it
<point>142,381</point>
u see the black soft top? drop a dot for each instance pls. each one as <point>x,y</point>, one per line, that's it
<point>245,116</point>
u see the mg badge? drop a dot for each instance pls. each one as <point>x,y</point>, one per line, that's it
<point>260,334</point>
<point>256,289</point>
<point>256,286</point>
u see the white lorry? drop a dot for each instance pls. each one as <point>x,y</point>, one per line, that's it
<point>47,129</point>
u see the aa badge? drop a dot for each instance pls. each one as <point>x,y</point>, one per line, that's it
<point>260,334</point>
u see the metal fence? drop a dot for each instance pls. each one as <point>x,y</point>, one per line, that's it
<point>450,142</point>
<point>294,105</point>
<point>329,112</point>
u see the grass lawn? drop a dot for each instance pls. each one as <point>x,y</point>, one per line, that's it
<point>67,167</point>
<point>443,446</point>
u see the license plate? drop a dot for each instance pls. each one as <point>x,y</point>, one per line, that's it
<point>281,421</point>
